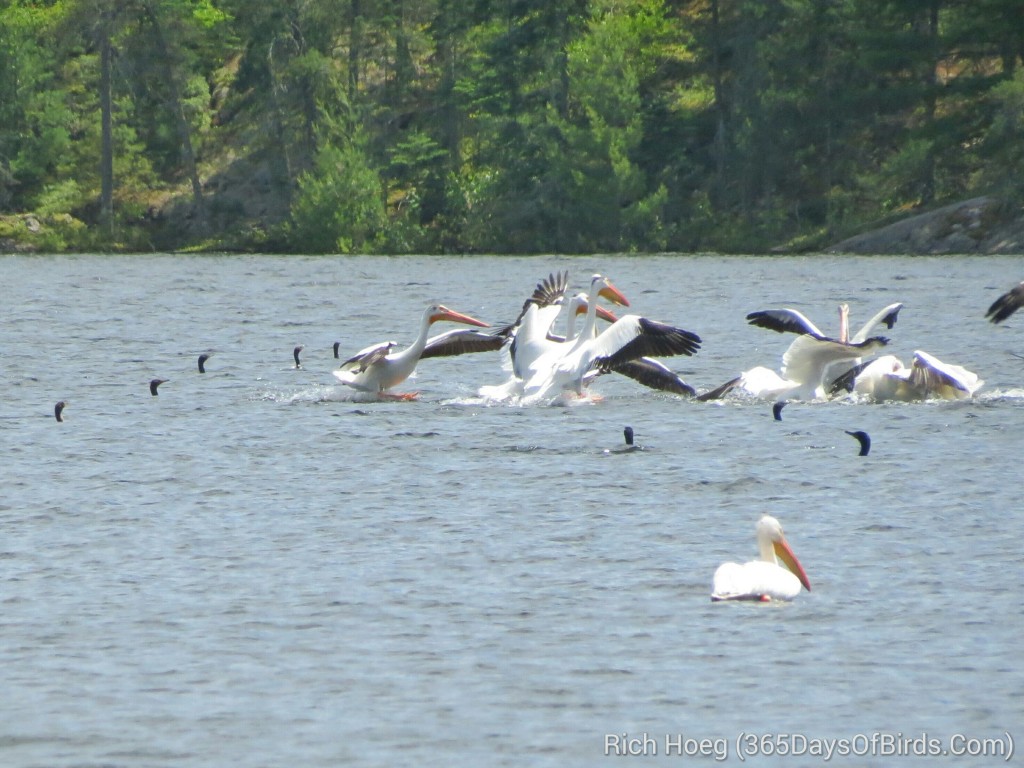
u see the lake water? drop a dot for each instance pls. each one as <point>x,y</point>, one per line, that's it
<point>252,568</point>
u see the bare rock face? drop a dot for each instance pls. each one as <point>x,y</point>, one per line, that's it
<point>981,225</point>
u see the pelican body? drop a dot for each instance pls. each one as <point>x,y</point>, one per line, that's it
<point>763,579</point>
<point>377,368</point>
<point>927,378</point>
<point>644,370</point>
<point>813,361</point>
<point>629,338</point>
<point>535,346</point>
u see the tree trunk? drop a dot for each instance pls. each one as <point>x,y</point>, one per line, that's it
<point>106,130</point>
<point>931,84</point>
<point>181,122</point>
<point>721,142</point>
<point>355,45</point>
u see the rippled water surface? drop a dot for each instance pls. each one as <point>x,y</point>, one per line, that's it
<point>252,568</point>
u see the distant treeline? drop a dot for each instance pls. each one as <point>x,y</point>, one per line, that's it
<point>499,125</point>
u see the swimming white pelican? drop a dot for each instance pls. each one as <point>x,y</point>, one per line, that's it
<point>788,320</point>
<point>887,378</point>
<point>531,334</point>
<point>629,338</point>
<point>813,361</point>
<point>376,368</point>
<point>805,367</point>
<point>644,370</point>
<point>763,579</point>
<point>1006,304</point>
<point>533,337</point>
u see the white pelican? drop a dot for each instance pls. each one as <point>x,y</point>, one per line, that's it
<point>763,579</point>
<point>652,373</point>
<point>788,320</point>
<point>531,335</point>
<point>644,370</point>
<point>534,346</point>
<point>629,338</point>
<point>533,338</point>
<point>813,361</point>
<point>887,378</point>
<point>805,367</point>
<point>1006,304</point>
<point>376,368</point>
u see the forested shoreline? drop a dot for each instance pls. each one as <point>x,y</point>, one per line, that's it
<point>519,126</point>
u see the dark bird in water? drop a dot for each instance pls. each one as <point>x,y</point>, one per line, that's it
<point>336,345</point>
<point>864,439</point>
<point>153,384</point>
<point>202,362</point>
<point>630,446</point>
<point>777,410</point>
<point>295,354</point>
<point>58,409</point>
<point>1006,304</point>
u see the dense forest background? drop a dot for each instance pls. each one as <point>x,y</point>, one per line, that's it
<point>499,125</point>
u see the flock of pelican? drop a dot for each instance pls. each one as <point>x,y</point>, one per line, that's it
<point>546,366</point>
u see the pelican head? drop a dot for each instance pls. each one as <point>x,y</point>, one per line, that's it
<point>436,312</point>
<point>772,543</point>
<point>602,286</point>
<point>579,304</point>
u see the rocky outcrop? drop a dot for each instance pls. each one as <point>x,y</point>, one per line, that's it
<point>981,225</point>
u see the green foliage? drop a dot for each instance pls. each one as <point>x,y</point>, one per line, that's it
<point>34,121</point>
<point>899,179</point>
<point>339,207</point>
<point>1004,142</point>
<point>564,125</point>
<point>59,197</point>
